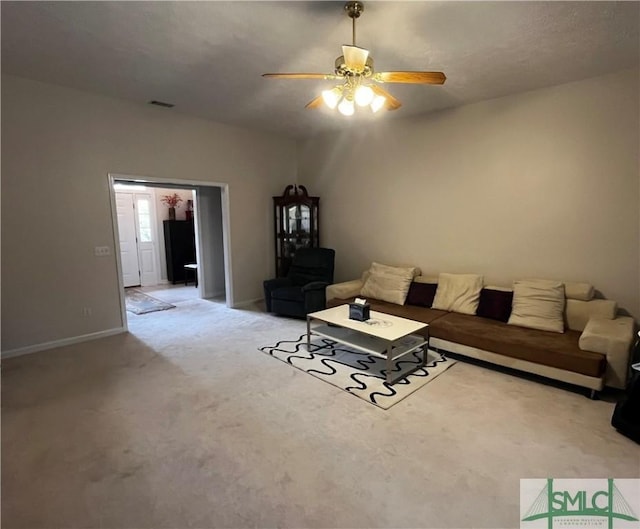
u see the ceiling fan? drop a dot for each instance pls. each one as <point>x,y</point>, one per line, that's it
<point>359,84</point>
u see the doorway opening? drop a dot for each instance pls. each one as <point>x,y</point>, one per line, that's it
<point>141,235</point>
<point>158,250</point>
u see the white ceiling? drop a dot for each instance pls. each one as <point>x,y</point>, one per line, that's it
<point>207,57</point>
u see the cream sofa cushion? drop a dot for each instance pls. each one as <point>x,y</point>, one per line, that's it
<point>500,288</point>
<point>612,338</point>
<point>458,293</point>
<point>579,291</point>
<point>578,312</point>
<point>344,290</point>
<point>426,279</point>
<point>538,304</point>
<point>388,283</point>
<point>367,272</point>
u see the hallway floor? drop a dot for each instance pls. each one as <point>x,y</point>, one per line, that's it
<point>172,293</point>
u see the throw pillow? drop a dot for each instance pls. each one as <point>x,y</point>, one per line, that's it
<point>421,294</point>
<point>538,304</point>
<point>399,269</point>
<point>458,293</point>
<point>388,283</point>
<point>495,304</point>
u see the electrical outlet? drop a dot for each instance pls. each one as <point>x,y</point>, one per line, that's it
<point>86,311</point>
<point>101,251</point>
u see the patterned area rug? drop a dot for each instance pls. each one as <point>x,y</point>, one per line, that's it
<point>139,303</point>
<point>360,374</point>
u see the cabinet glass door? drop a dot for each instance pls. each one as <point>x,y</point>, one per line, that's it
<point>296,223</point>
<point>299,225</point>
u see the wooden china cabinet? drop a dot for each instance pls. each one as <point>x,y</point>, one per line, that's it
<point>296,225</point>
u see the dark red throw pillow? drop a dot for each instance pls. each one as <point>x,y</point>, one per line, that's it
<point>421,294</point>
<point>495,304</point>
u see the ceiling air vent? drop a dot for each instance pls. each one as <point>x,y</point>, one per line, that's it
<point>161,104</point>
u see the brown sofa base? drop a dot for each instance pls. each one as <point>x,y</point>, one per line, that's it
<point>570,377</point>
<point>555,355</point>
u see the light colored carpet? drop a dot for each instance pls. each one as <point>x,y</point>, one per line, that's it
<point>360,374</point>
<point>184,423</point>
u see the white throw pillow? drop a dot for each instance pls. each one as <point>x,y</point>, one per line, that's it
<point>458,293</point>
<point>538,304</point>
<point>388,283</point>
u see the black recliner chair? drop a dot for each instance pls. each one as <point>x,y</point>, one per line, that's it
<point>303,290</point>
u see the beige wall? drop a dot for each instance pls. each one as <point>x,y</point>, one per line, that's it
<point>542,184</point>
<point>212,252</point>
<point>58,145</point>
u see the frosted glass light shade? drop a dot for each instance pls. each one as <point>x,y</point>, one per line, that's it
<point>331,97</point>
<point>377,103</point>
<point>355,57</point>
<point>364,95</point>
<point>346,107</point>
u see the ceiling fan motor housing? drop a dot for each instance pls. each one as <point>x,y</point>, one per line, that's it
<point>343,70</point>
<point>354,9</point>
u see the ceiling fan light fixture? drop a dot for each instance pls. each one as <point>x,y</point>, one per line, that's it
<point>377,103</point>
<point>346,107</point>
<point>364,95</point>
<point>332,97</point>
<point>359,80</point>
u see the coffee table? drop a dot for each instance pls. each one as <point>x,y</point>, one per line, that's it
<point>383,335</point>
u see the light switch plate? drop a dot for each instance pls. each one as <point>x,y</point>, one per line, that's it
<point>102,251</point>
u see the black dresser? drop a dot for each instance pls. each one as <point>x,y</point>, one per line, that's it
<point>179,246</point>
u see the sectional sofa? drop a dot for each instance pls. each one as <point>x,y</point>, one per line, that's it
<point>575,337</point>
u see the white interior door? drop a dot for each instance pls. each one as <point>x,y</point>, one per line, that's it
<point>145,225</point>
<point>127,234</point>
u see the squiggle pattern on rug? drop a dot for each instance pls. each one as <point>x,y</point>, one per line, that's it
<point>357,373</point>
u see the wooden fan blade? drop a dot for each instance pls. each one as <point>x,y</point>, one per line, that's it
<point>392,103</point>
<point>300,75</point>
<point>314,103</point>
<point>411,77</point>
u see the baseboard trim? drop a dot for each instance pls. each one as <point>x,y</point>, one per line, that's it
<point>61,343</point>
<point>246,303</point>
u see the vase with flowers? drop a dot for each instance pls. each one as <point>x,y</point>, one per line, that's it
<point>171,201</point>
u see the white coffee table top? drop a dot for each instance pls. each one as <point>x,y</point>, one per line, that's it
<point>381,325</point>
